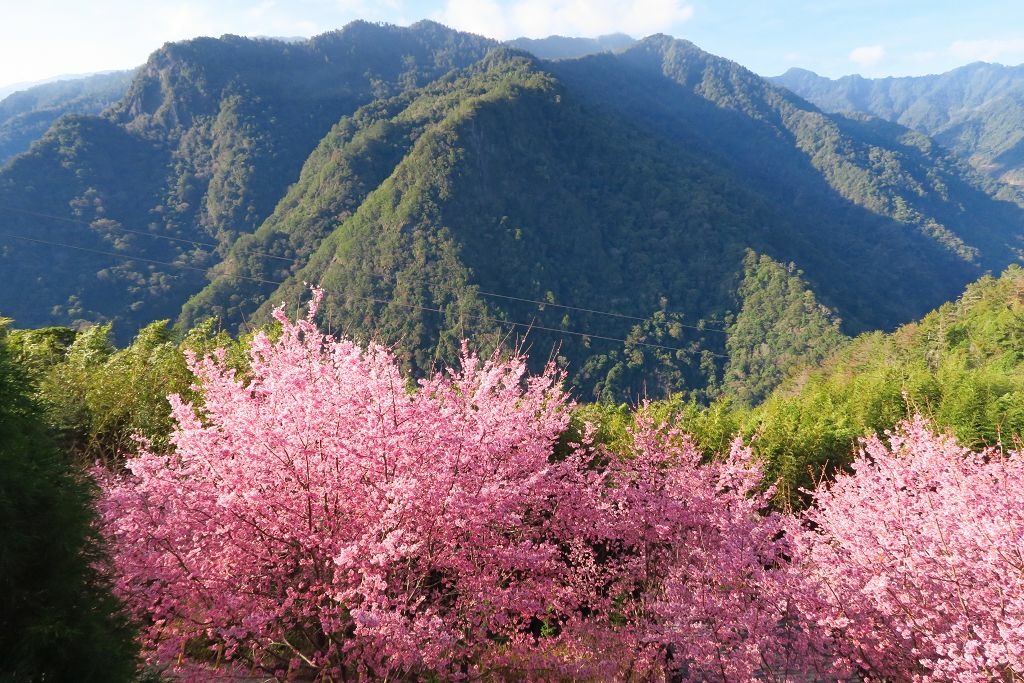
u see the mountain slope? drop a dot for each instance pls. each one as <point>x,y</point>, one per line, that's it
<point>26,115</point>
<point>207,139</point>
<point>507,192</point>
<point>605,204</point>
<point>976,110</point>
<point>524,180</point>
<point>803,158</point>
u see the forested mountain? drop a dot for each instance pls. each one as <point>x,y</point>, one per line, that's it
<point>662,183</point>
<point>440,186</point>
<point>207,139</point>
<point>976,110</point>
<point>27,114</point>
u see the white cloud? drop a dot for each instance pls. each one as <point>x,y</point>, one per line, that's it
<point>390,11</point>
<point>541,18</point>
<point>475,16</point>
<point>180,21</point>
<point>867,55</point>
<point>1005,50</point>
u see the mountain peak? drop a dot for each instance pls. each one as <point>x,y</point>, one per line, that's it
<point>662,41</point>
<point>797,72</point>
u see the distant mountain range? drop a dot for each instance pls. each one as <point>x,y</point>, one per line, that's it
<point>26,114</point>
<point>21,86</point>
<point>440,185</point>
<point>27,110</point>
<point>977,110</point>
<point>562,47</point>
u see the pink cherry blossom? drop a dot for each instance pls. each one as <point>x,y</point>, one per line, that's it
<point>916,560</point>
<point>327,518</point>
<point>706,561</point>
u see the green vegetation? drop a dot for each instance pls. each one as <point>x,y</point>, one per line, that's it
<point>27,114</point>
<point>780,326</point>
<point>961,366</point>
<point>58,619</point>
<point>98,399</point>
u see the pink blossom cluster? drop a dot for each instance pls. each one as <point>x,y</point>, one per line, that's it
<point>916,561</point>
<point>327,519</point>
<point>704,560</point>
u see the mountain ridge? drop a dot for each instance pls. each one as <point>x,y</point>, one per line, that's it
<point>566,47</point>
<point>976,110</point>
<point>26,115</point>
<point>435,172</point>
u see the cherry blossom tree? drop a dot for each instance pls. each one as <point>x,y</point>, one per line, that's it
<point>328,518</point>
<point>916,560</point>
<point>706,561</point>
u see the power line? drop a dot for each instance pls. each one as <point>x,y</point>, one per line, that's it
<point>214,245</point>
<point>591,310</point>
<point>385,302</point>
<point>89,224</point>
<point>130,257</point>
<point>531,326</point>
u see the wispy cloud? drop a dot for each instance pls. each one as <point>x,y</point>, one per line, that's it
<point>1006,50</point>
<point>867,55</point>
<point>540,18</point>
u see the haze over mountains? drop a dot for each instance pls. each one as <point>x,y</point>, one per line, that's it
<point>27,114</point>
<point>977,110</point>
<point>440,185</point>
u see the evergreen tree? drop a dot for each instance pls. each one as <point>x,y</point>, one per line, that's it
<point>780,326</point>
<point>58,618</point>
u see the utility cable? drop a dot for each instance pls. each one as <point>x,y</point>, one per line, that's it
<point>255,252</point>
<point>384,302</point>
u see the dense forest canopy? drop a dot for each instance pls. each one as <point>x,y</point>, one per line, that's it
<point>975,110</point>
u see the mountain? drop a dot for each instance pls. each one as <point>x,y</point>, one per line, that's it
<point>631,184</point>
<point>27,114</point>
<point>562,47</point>
<point>976,110</point>
<point>440,186</point>
<point>209,135</point>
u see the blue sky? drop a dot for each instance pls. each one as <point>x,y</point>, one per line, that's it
<point>45,38</point>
